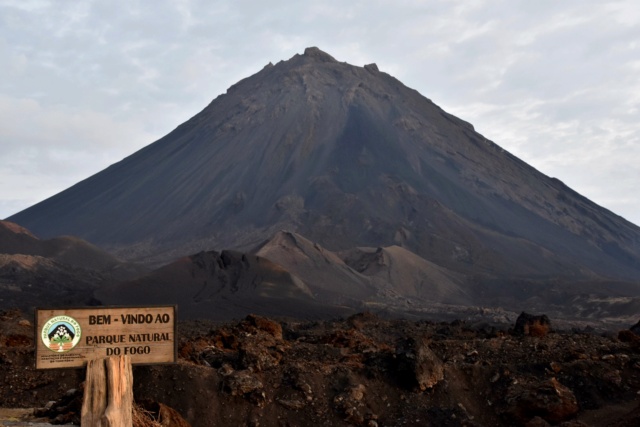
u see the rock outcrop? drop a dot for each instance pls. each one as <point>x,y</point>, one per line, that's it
<point>418,367</point>
<point>532,325</point>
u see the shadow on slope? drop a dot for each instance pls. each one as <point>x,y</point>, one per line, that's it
<point>63,271</point>
<point>28,281</point>
<point>69,250</point>
<point>223,285</point>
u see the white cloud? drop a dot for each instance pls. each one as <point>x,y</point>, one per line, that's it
<point>45,150</point>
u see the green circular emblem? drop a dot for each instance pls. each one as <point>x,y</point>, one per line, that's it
<point>61,333</point>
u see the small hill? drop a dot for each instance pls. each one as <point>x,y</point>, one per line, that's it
<point>28,281</point>
<point>69,250</point>
<point>408,274</point>
<point>327,275</point>
<point>221,286</point>
<point>364,274</point>
<point>62,271</point>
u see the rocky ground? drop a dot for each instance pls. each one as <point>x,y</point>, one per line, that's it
<point>363,371</point>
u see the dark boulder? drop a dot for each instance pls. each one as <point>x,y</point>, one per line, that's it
<point>418,366</point>
<point>532,325</point>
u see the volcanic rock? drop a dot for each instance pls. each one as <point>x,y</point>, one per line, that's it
<point>241,382</point>
<point>267,325</point>
<point>161,414</point>
<point>549,400</point>
<point>319,380</point>
<point>418,366</point>
<point>529,324</point>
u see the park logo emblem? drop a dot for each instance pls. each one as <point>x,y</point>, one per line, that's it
<point>61,333</point>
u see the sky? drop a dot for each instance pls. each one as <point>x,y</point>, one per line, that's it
<point>83,84</point>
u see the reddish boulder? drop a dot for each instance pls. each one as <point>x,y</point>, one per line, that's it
<point>532,325</point>
<point>627,336</point>
<point>549,400</point>
<point>155,413</point>
<point>269,326</point>
<point>418,366</point>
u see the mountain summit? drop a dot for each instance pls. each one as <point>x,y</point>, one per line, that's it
<point>345,156</point>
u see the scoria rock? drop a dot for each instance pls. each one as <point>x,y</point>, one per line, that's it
<point>418,366</point>
<point>548,400</point>
<point>529,324</point>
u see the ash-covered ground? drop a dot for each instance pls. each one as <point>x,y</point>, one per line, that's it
<point>363,371</point>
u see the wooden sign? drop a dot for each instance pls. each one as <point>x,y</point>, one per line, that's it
<point>69,338</point>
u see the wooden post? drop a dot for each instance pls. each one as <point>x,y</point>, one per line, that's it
<point>108,393</point>
<point>95,393</point>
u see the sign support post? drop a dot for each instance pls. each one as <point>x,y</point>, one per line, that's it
<point>108,393</point>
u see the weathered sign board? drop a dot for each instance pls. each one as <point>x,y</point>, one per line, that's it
<point>69,338</point>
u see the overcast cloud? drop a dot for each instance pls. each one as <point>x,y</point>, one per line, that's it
<point>85,83</point>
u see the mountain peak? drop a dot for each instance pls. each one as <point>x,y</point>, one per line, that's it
<point>345,156</point>
<point>314,52</point>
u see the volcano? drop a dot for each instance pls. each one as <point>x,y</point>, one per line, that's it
<point>345,156</point>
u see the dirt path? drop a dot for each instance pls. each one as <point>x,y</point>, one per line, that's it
<point>21,417</point>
